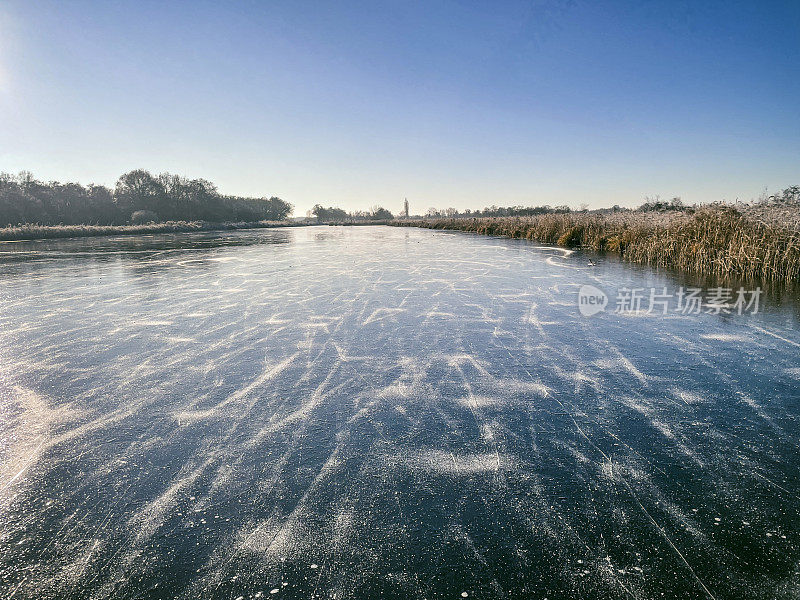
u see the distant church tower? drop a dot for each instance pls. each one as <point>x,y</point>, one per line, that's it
<point>405,208</point>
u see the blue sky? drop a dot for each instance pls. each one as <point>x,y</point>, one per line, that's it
<point>462,104</point>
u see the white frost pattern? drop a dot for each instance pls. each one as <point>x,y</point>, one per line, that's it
<point>346,412</point>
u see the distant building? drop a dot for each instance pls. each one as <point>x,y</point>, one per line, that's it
<point>405,208</point>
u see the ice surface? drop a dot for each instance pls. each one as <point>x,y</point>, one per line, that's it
<point>376,412</point>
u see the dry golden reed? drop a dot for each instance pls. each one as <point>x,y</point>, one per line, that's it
<point>715,240</point>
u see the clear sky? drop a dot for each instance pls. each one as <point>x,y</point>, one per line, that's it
<point>453,103</point>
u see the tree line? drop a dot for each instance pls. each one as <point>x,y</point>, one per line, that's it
<point>498,211</point>
<point>338,215</point>
<point>138,197</point>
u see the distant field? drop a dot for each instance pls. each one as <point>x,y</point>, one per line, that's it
<point>751,242</point>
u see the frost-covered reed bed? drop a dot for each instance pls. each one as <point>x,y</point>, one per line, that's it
<point>719,240</point>
<point>37,232</point>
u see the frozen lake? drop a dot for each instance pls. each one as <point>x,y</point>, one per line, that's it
<point>363,412</point>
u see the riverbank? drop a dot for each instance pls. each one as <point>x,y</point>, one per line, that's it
<point>44,232</point>
<point>718,240</point>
